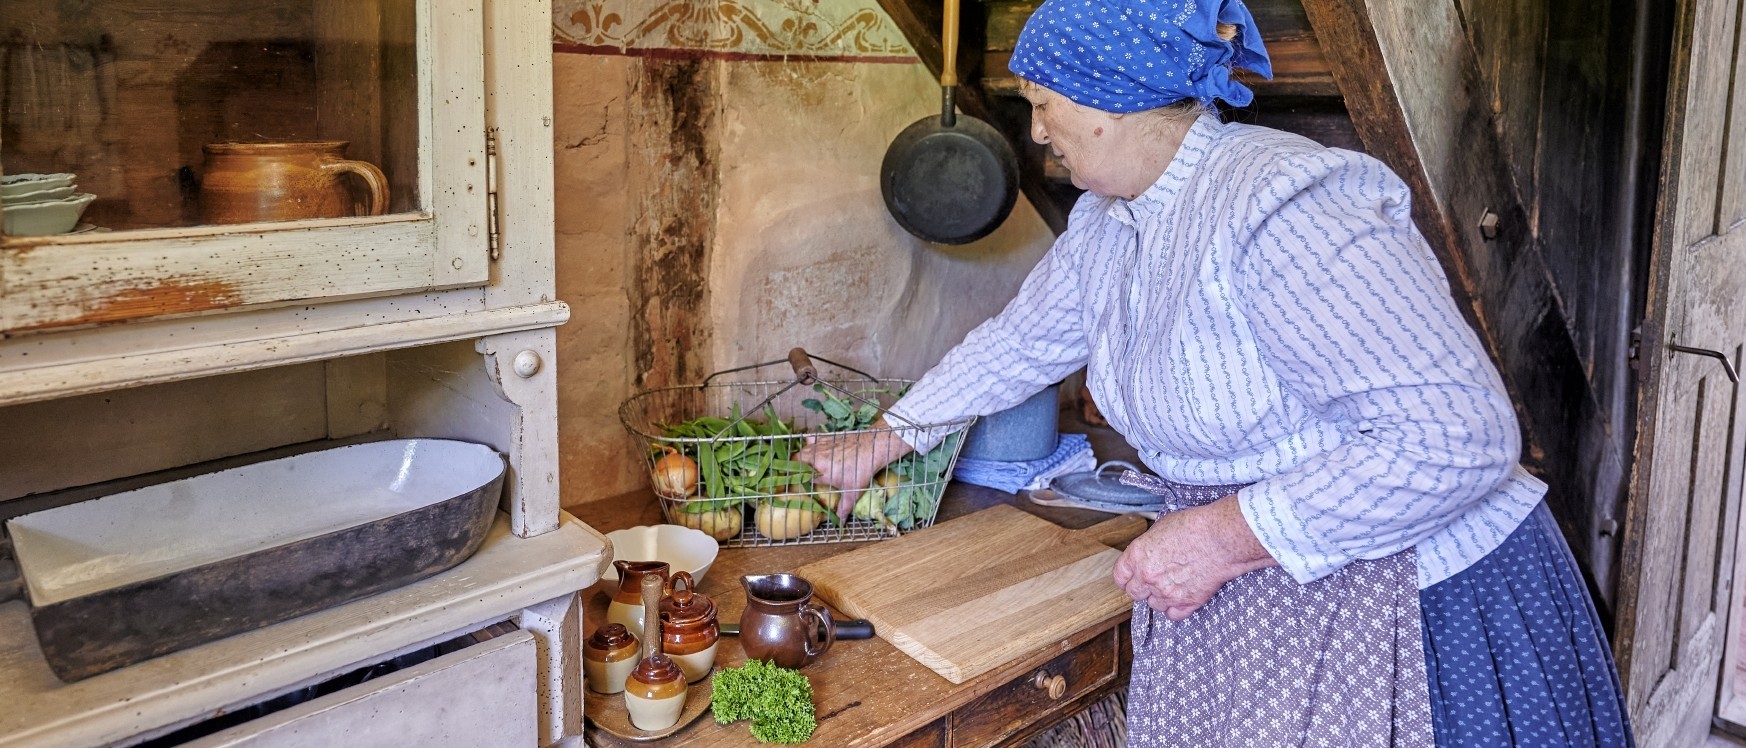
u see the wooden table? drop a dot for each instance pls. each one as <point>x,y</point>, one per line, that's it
<point>867,693</point>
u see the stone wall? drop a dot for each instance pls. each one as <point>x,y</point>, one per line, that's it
<point>718,203</point>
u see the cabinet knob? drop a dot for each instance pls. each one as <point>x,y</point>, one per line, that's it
<point>1055,685</point>
<point>527,364</point>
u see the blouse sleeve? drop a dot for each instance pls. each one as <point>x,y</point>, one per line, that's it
<point>1036,341</point>
<point>1352,314</point>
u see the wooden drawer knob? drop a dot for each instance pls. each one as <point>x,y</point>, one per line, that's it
<point>1055,685</point>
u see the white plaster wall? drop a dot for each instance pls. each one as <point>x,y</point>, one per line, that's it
<point>596,457</point>
<point>806,253</point>
<point>803,251</point>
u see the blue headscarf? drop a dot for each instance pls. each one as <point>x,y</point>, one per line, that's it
<point>1132,55</point>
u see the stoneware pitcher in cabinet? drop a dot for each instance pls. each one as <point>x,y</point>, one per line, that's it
<point>781,624</point>
<point>250,182</point>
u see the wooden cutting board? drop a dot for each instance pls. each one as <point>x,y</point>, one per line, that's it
<point>968,595</point>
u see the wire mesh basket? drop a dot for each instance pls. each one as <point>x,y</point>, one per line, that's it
<point>723,456</point>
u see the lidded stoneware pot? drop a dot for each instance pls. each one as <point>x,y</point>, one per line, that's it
<point>689,631</point>
<point>609,656</point>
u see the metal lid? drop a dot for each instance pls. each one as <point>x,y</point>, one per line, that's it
<point>1103,486</point>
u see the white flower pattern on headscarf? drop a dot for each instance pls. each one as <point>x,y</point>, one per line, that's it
<point>1127,55</point>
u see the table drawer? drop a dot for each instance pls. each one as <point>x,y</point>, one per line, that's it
<point>936,735</point>
<point>1038,694</point>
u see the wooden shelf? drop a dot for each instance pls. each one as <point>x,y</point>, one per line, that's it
<point>50,366</point>
<point>162,694</point>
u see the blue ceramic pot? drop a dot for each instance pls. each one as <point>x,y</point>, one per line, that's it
<point>1027,431</point>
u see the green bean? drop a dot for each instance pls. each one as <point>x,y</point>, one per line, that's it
<point>790,466</point>
<point>762,467</point>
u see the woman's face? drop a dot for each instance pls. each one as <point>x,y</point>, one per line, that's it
<point>1097,146</point>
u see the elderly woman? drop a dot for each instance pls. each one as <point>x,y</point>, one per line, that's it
<point>1355,558</point>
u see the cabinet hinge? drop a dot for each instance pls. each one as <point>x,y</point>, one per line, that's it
<point>492,209</point>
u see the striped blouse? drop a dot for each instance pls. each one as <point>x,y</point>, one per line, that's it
<point>1267,313</point>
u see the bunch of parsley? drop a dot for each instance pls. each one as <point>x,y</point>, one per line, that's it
<point>777,700</point>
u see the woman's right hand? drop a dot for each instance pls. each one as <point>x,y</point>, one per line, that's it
<point>848,461</point>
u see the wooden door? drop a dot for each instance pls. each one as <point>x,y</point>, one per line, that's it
<point>1678,562</point>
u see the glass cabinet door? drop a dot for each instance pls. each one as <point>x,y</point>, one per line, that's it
<point>171,158</point>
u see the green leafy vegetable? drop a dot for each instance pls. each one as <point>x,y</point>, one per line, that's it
<point>777,700</point>
<point>923,479</point>
<point>845,413</point>
<point>750,462</point>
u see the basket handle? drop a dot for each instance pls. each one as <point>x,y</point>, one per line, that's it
<point>804,360</point>
<point>804,371</point>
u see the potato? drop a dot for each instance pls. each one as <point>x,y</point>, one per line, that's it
<point>786,523</point>
<point>720,524</point>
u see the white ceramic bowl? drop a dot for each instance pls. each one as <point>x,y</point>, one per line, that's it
<point>45,218</point>
<point>17,184</point>
<point>39,196</point>
<point>682,548</point>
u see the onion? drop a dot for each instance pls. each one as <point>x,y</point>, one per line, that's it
<point>674,475</point>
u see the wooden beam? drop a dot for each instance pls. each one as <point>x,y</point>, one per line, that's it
<point>1349,38</point>
<point>1300,67</point>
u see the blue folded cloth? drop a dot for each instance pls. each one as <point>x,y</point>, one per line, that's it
<point>1070,452</point>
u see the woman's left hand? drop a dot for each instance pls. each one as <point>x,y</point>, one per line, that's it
<point>1178,564</point>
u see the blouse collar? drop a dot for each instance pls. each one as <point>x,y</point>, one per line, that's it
<point>1163,192</point>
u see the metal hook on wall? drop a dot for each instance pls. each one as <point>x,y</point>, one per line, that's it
<point>1727,365</point>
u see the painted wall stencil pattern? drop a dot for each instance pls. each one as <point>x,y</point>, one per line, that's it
<point>735,29</point>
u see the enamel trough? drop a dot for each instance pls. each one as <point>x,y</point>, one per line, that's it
<point>130,576</point>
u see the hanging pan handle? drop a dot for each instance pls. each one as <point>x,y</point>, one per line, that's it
<point>949,65</point>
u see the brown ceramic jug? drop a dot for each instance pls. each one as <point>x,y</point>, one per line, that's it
<point>689,630</point>
<point>250,182</point>
<point>781,623</point>
<point>627,603</point>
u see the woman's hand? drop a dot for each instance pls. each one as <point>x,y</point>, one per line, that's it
<point>1177,565</point>
<point>848,461</point>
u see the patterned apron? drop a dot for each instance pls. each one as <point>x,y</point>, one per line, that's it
<point>1270,662</point>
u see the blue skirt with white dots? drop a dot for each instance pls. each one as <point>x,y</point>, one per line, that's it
<point>1515,653</point>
